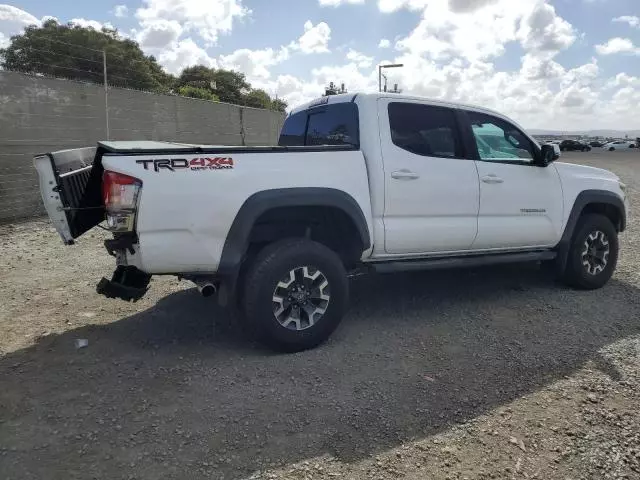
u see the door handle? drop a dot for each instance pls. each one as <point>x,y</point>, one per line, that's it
<point>491,178</point>
<point>404,174</point>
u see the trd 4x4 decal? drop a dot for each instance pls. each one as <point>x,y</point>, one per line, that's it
<point>201,163</point>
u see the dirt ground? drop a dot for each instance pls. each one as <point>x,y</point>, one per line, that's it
<point>475,374</point>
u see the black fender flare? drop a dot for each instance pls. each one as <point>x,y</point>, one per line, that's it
<point>583,199</point>
<point>237,241</point>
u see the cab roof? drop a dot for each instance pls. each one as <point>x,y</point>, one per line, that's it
<point>373,97</point>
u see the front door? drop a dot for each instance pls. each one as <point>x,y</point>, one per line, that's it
<point>431,190</point>
<point>520,203</point>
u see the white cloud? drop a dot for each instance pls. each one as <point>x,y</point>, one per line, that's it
<point>254,63</point>
<point>83,22</point>
<point>360,59</point>
<point>185,53</point>
<point>336,3</point>
<point>623,80</point>
<point>631,20</point>
<point>12,22</point>
<point>388,6</point>
<point>315,38</point>
<point>384,43</point>
<point>478,30</point>
<point>159,34</point>
<point>542,30</point>
<point>120,11</point>
<point>617,45</point>
<point>206,18</point>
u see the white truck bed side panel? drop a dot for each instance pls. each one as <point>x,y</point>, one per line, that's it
<point>184,216</point>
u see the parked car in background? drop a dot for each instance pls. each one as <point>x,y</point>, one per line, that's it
<point>596,144</point>
<point>618,145</point>
<point>556,147</point>
<point>573,145</point>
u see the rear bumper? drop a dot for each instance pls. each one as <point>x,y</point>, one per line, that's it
<point>127,283</point>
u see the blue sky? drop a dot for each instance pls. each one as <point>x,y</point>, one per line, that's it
<point>549,63</point>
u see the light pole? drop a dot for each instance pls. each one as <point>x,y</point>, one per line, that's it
<point>380,67</point>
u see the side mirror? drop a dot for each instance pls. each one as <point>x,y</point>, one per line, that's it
<point>547,155</point>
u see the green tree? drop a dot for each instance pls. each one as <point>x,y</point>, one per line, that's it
<point>231,86</point>
<point>228,85</point>
<point>257,98</point>
<point>278,105</point>
<point>75,52</point>
<point>197,76</point>
<point>195,92</point>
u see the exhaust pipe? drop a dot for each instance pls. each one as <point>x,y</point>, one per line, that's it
<point>206,288</point>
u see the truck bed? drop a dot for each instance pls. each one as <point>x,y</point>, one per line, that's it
<point>183,203</point>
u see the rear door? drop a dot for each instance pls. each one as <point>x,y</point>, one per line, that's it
<point>431,189</point>
<point>71,190</point>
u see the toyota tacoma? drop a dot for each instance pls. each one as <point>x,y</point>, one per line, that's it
<point>358,183</point>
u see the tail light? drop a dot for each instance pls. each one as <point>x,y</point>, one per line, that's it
<point>120,194</point>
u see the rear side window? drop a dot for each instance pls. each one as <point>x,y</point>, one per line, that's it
<point>335,124</point>
<point>425,130</point>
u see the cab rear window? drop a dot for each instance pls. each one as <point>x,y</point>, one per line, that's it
<point>334,124</point>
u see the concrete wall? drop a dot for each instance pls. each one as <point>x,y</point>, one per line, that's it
<point>39,115</point>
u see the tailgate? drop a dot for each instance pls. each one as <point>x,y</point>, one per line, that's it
<point>70,185</point>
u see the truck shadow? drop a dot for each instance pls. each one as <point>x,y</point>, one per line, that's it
<point>169,393</point>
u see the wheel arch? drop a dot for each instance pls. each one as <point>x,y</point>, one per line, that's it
<point>591,201</point>
<point>238,239</point>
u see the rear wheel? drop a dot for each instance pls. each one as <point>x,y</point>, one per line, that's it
<point>295,294</point>
<point>593,253</point>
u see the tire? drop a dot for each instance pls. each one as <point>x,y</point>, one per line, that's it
<point>595,273</point>
<point>268,277</point>
<point>611,149</point>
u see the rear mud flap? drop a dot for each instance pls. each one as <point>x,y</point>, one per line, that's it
<point>127,283</point>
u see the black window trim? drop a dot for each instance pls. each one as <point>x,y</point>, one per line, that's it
<point>465,152</point>
<point>468,130</point>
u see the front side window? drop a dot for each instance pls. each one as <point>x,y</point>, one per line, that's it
<point>425,130</point>
<point>498,140</point>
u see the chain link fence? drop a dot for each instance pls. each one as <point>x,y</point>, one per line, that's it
<point>47,112</point>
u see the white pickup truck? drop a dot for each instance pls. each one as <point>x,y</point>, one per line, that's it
<point>366,182</point>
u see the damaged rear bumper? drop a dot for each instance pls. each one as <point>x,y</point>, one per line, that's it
<point>127,283</point>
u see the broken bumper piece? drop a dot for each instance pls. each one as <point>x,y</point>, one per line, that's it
<point>127,283</point>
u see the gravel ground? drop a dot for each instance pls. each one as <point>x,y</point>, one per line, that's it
<point>485,373</point>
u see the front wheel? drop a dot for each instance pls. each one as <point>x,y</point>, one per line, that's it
<point>593,253</point>
<point>611,149</point>
<point>295,294</point>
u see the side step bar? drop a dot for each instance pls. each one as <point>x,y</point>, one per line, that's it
<point>461,262</point>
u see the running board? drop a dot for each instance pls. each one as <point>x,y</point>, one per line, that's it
<point>461,262</point>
